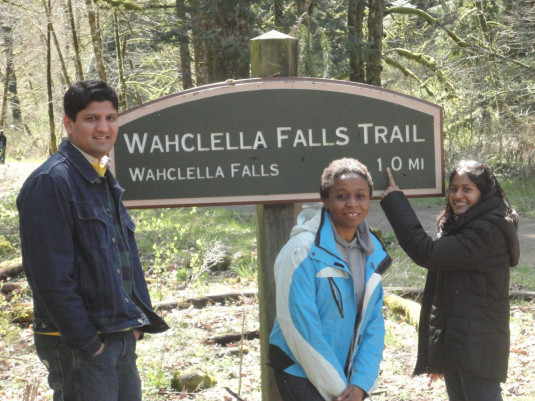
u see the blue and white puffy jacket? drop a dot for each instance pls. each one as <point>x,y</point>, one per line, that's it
<point>316,334</point>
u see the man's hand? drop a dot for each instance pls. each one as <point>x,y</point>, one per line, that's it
<point>99,350</point>
<point>391,184</point>
<point>351,393</point>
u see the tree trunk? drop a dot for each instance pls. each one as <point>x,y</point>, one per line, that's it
<point>244,37</point>
<point>48,11</point>
<point>6,28</point>
<point>183,43</point>
<point>198,26</point>
<point>375,32</point>
<point>95,38</point>
<point>355,15</point>
<point>278,12</point>
<point>120,63</point>
<point>52,147</point>
<point>75,45</point>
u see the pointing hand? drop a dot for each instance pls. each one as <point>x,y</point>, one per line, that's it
<point>391,184</point>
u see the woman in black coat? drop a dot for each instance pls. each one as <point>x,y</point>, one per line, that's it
<point>464,321</point>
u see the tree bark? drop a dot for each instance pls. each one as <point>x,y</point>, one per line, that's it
<point>75,44</point>
<point>183,43</point>
<point>48,11</point>
<point>355,15</point>
<point>244,37</point>
<point>120,63</point>
<point>95,39</point>
<point>9,69</point>
<point>52,146</point>
<point>375,32</point>
<point>198,26</point>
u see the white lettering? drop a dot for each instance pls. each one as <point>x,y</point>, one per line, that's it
<point>156,144</point>
<point>259,141</point>
<point>184,145</point>
<point>216,140</point>
<point>344,138</point>
<point>168,144</point>
<point>281,136</point>
<point>135,142</point>
<point>365,126</point>
<point>380,132</point>
<point>396,134</point>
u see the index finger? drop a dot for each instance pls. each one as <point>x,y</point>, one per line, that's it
<point>391,181</point>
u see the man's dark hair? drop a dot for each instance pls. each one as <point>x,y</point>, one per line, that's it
<point>82,93</point>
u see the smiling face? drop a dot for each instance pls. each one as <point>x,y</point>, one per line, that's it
<point>348,204</point>
<point>95,128</point>
<point>463,194</point>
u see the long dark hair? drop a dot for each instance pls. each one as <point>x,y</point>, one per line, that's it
<point>481,175</point>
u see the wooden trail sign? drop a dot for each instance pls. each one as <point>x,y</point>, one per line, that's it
<point>267,141</point>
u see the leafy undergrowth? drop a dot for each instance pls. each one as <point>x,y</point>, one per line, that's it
<point>187,346</point>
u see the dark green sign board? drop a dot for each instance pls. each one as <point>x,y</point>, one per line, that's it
<point>268,141</point>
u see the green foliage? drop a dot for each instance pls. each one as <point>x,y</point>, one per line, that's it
<point>9,227</point>
<point>246,266</point>
<point>6,249</point>
<point>522,278</point>
<point>521,194</point>
<point>9,332</point>
<point>192,240</point>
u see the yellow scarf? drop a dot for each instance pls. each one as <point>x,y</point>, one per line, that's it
<point>100,168</point>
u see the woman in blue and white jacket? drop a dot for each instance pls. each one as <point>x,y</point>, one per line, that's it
<point>328,338</point>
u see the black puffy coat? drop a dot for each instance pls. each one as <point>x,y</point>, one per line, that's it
<point>464,321</point>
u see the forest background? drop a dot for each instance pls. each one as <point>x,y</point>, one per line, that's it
<point>476,59</point>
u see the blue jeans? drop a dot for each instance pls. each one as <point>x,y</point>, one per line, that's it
<point>463,386</point>
<point>293,388</point>
<point>110,376</point>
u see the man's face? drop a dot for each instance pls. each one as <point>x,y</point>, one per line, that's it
<point>95,128</point>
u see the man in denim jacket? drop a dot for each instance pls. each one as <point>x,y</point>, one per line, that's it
<point>91,301</point>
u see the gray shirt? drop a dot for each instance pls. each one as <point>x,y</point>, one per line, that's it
<point>354,254</point>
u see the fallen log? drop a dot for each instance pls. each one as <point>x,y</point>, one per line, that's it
<point>201,302</point>
<point>235,337</point>
<point>11,268</point>
<point>407,308</point>
<point>416,293</point>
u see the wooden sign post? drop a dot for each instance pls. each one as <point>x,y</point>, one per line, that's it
<point>271,53</point>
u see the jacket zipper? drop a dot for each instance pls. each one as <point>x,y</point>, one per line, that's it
<point>337,295</point>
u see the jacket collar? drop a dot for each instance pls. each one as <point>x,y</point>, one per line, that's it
<point>490,205</point>
<point>80,162</point>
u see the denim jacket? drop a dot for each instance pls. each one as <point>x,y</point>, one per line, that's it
<point>70,254</point>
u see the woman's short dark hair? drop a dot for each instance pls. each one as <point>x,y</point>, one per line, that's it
<point>340,167</point>
<point>82,93</point>
<point>485,180</point>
